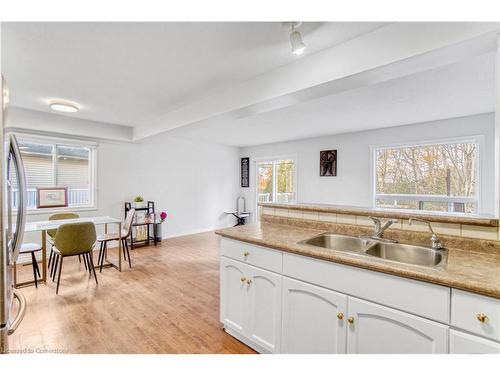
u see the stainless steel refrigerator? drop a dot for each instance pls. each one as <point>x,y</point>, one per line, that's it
<point>12,302</point>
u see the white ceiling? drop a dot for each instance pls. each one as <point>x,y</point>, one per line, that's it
<point>132,73</point>
<point>456,90</point>
<point>239,84</point>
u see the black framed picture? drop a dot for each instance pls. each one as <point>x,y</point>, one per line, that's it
<point>245,172</point>
<point>328,163</point>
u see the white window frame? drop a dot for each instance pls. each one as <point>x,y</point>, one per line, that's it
<point>479,140</point>
<point>255,173</point>
<point>92,146</point>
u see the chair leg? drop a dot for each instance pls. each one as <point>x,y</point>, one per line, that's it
<point>55,262</point>
<point>59,276</point>
<point>104,249</point>
<point>128,254</point>
<point>123,249</point>
<point>100,254</point>
<point>37,269</point>
<point>84,261</point>
<point>93,268</point>
<point>79,259</point>
<point>33,262</point>
<point>88,256</point>
<point>50,257</point>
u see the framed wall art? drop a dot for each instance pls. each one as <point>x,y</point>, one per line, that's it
<point>328,163</point>
<point>52,197</point>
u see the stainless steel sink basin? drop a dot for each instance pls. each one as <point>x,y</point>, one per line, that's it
<point>395,252</point>
<point>339,242</point>
<point>410,254</point>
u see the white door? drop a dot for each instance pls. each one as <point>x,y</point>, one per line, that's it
<point>464,343</point>
<point>314,319</point>
<point>376,329</point>
<point>233,295</point>
<point>264,293</point>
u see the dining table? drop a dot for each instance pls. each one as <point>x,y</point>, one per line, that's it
<point>44,226</point>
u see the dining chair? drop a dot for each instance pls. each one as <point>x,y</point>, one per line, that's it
<point>72,240</point>
<point>52,233</point>
<point>105,238</point>
<point>31,248</point>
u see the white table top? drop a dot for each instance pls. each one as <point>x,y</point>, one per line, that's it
<point>36,226</point>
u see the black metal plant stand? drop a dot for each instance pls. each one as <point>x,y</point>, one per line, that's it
<point>149,209</point>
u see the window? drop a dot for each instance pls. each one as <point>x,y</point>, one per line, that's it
<point>56,164</point>
<point>276,181</point>
<point>433,177</point>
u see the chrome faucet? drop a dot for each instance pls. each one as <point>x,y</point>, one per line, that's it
<point>378,229</point>
<point>435,241</point>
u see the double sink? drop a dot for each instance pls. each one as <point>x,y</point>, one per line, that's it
<point>380,248</point>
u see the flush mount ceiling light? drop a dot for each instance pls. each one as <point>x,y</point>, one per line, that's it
<point>296,41</point>
<point>62,105</point>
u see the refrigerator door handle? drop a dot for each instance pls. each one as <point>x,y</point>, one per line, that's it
<point>20,314</point>
<point>21,216</point>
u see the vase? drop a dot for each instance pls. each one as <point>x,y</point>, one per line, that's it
<point>158,232</point>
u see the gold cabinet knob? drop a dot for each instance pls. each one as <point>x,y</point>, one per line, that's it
<point>340,316</point>
<point>249,282</point>
<point>482,318</point>
<point>350,320</point>
<point>243,278</point>
<point>246,253</point>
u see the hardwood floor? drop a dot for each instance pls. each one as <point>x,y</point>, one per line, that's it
<point>167,303</point>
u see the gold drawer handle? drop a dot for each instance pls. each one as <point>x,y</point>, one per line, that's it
<point>243,278</point>
<point>350,320</point>
<point>246,253</point>
<point>482,318</point>
<point>340,316</point>
<point>249,282</point>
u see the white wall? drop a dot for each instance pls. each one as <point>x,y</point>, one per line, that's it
<point>352,186</point>
<point>193,181</point>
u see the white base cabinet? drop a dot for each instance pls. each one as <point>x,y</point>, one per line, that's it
<point>314,319</point>
<point>376,329</point>
<point>278,302</point>
<point>251,304</point>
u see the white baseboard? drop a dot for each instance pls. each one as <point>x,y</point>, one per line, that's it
<point>193,231</point>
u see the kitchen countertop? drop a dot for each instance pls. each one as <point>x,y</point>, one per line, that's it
<point>477,272</point>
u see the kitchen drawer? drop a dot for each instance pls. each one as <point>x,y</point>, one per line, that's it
<point>254,255</point>
<point>465,314</point>
<point>465,343</point>
<point>428,300</point>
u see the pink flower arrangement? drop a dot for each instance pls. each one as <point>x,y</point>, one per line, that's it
<point>163,216</point>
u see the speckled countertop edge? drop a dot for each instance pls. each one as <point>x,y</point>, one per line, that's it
<point>465,270</point>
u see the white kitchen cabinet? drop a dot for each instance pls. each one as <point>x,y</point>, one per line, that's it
<point>251,304</point>
<point>376,329</point>
<point>264,293</point>
<point>233,296</point>
<point>314,319</point>
<point>465,343</point>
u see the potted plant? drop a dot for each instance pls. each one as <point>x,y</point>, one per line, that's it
<point>158,225</point>
<point>139,202</point>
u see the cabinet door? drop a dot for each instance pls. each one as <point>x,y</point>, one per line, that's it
<point>379,329</point>
<point>264,295</point>
<point>310,322</point>
<point>464,343</point>
<point>233,295</point>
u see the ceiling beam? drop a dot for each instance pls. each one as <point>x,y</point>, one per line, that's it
<point>339,67</point>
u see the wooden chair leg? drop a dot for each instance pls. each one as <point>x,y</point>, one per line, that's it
<point>123,249</point>
<point>59,276</point>
<point>93,268</point>
<point>128,254</point>
<point>33,261</point>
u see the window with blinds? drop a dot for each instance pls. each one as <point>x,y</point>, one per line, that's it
<point>58,165</point>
